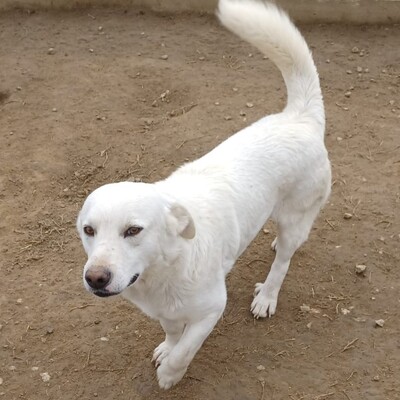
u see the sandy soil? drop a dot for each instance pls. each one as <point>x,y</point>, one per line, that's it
<point>104,106</point>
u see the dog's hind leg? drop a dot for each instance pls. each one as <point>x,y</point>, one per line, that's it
<point>293,231</point>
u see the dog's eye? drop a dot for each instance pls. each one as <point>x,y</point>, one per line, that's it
<point>88,230</point>
<point>132,231</point>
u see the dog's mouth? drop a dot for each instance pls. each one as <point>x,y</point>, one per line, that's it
<point>106,293</point>
<point>133,279</point>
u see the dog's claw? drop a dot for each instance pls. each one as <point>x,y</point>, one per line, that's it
<point>274,244</point>
<point>160,353</point>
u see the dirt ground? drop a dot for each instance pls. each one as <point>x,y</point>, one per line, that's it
<point>105,105</point>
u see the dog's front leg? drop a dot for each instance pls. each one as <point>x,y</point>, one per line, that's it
<point>176,363</point>
<point>173,332</point>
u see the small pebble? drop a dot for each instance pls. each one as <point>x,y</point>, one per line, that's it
<point>376,378</point>
<point>305,308</point>
<point>380,322</point>
<point>51,51</point>
<point>35,368</point>
<point>366,70</point>
<point>54,109</point>
<point>100,28</point>
<point>235,89</point>
<point>347,216</point>
<point>345,311</point>
<point>261,368</point>
<point>361,53</point>
<point>391,102</point>
<point>45,376</point>
<point>359,69</point>
<point>339,139</point>
<point>164,57</point>
<point>104,339</point>
<point>309,325</point>
<point>349,72</point>
<point>355,50</point>
<point>360,269</point>
<point>242,113</point>
<point>266,231</point>
<point>202,58</point>
<point>91,50</point>
<point>228,118</point>
<point>217,103</point>
<point>19,88</point>
<point>12,368</point>
<point>328,61</point>
<point>19,301</point>
<point>249,105</point>
<point>348,94</point>
<point>1,381</point>
<point>49,330</point>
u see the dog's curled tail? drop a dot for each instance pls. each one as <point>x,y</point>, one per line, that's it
<point>269,29</point>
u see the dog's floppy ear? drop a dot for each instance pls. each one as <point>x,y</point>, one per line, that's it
<point>181,222</point>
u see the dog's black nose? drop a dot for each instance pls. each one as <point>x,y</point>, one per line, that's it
<point>98,278</point>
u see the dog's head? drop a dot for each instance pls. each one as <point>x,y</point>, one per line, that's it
<point>127,228</point>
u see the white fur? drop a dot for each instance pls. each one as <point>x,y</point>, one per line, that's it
<point>198,221</point>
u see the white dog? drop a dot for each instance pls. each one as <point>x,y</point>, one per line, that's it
<point>168,246</point>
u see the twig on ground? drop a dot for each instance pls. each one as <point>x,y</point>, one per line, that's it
<point>81,307</point>
<point>349,345</point>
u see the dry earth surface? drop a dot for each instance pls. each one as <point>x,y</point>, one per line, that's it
<point>105,105</point>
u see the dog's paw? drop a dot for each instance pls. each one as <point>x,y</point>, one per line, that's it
<point>168,377</point>
<point>274,244</point>
<point>263,305</point>
<point>160,352</point>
